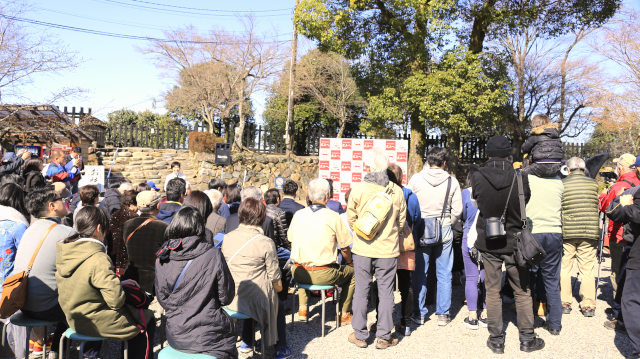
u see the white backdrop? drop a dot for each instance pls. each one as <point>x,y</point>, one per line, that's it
<point>341,160</point>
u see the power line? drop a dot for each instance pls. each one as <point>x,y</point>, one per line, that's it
<point>149,8</point>
<point>122,36</point>
<point>194,8</point>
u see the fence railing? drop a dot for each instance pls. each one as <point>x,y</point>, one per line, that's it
<point>175,136</point>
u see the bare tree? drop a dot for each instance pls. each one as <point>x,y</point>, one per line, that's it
<point>328,78</point>
<point>26,54</point>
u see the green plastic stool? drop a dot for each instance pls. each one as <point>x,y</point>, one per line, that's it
<point>170,353</point>
<point>236,315</point>
<point>22,320</point>
<point>322,289</point>
<point>72,335</point>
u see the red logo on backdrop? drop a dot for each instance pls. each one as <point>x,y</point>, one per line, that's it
<point>325,143</point>
<point>335,176</point>
<point>368,144</point>
<point>335,155</point>
<point>404,179</point>
<point>324,165</point>
<point>346,166</point>
<point>336,197</point>
<point>344,187</point>
<point>402,157</point>
<point>390,145</point>
<point>335,144</point>
<point>402,146</point>
<point>346,144</point>
<point>356,177</point>
<point>357,155</point>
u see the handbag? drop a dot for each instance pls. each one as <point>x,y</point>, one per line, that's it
<point>405,238</point>
<point>494,226</point>
<point>14,289</point>
<point>528,249</point>
<point>136,297</point>
<point>433,226</point>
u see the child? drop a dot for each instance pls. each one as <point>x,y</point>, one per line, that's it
<point>175,167</point>
<point>544,148</point>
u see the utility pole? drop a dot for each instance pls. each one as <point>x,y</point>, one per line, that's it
<point>292,77</point>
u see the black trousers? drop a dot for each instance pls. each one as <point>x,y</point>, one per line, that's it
<point>406,294</point>
<point>621,279</point>
<point>631,307</point>
<point>518,277</point>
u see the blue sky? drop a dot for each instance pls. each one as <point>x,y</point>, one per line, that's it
<point>117,75</point>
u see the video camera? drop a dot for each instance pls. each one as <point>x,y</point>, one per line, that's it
<point>609,177</point>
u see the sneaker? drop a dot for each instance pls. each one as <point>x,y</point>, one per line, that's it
<point>566,309</point>
<point>471,323</point>
<point>53,355</point>
<point>495,348</point>
<point>615,325</point>
<point>244,348</point>
<point>589,312</point>
<point>419,320</point>
<point>401,329</point>
<point>384,344</point>
<point>302,315</point>
<point>283,353</point>
<point>443,320</point>
<point>532,345</point>
<point>373,327</point>
<point>346,319</point>
<point>483,322</point>
<point>608,311</point>
<point>359,343</point>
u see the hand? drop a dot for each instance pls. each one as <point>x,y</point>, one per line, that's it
<point>130,282</point>
<point>626,200</point>
<point>605,190</point>
<point>76,162</point>
<point>26,155</point>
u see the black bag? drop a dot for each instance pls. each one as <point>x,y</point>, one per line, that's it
<point>433,226</point>
<point>494,226</point>
<point>528,249</point>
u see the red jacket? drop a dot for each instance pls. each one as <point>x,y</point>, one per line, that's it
<point>614,231</point>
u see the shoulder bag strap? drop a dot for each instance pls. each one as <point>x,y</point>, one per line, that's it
<point>523,206</point>
<point>33,258</point>
<point>630,183</point>
<point>513,180</point>
<point>140,226</point>
<point>241,248</point>
<point>184,270</point>
<point>446,198</point>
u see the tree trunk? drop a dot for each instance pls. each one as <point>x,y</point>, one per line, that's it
<point>417,146</point>
<point>227,129</point>
<point>453,144</point>
<point>237,142</point>
<point>292,77</point>
<point>343,124</point>
<point>517,141</point>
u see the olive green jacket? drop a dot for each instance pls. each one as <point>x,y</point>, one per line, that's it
<point>580,207</point>
<point>91,295</point>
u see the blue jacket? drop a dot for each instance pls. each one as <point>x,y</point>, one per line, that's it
<point>10,234</point>
<point>167,211</point>
<point>468,212</point>
<point>335,206</point>
<point>224,211</point>
<point>290,207</point>
<point>414,216</point>
<point>58,173</point>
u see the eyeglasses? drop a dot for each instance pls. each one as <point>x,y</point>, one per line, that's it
<point>57,199</point>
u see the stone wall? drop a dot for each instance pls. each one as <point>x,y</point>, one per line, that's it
<point>146,164</point>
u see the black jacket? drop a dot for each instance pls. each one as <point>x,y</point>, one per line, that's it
<point>290,207</point>
<point>167,211</point>
<point>280,226</point>
<point>544,144</point>
<point>142,248</point>
<point>111,201</point>
<point>631,215</point>
<point>12,167</point>
<point>233,222</point>
<point>491,186</point>
<point>196,322</point>
<point>33,180</point>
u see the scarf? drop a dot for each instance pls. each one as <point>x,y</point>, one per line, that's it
<point>379,178</point>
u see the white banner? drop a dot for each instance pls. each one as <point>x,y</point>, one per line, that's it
<point>92,175</point>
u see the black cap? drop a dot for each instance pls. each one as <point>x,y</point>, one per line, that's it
<point>498,146</point>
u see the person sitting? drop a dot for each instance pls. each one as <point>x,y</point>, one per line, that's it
<point>153,186</point>
<point>215,222</point>
<point>193,283</point>
<point>143,243</point>
<point>91,296</point>
<point>89,196</point>
<point>232,196</point>
<point>176,191</point>
<point>288,203</point>
<point>200,201</point>
<point>33,177</point>
<point>128,210</point>
<point>233,220</point>
<point>13,223</point>
<point>220,185</point>
<point>315,234</point>
<point>253,262</point>
<point>143,187</point>
<point>334,205</point>
<point>544,148</point>
<point>111,201</point>
<point>41,301</point>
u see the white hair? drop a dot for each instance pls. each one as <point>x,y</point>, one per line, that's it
<point>125,186</point>
<point>215,196</point>
<point>376,160</point>
<point>576,163</point>
<point>251,192</point>
<point>318,189</point>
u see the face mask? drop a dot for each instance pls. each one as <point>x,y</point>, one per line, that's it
<point>616,171</point>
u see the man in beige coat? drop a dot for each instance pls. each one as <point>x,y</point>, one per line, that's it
<point>377,256</point>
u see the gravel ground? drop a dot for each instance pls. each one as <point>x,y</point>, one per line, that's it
<point>580,338</point>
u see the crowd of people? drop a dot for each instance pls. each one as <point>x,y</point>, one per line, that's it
<point>199,252</point>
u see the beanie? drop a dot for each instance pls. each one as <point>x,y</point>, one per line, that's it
<point>498,146</point>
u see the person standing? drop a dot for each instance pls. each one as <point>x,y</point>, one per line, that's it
<point>492,184</point>
<point>128,210</point>
<point>58,171</point>
<point>378,256</point>
<point>544,210</point>
<point>439,197</point>
<point>220,185</point>
<point>74,159</point>
<point>580,234</point>
<point>175,168</point>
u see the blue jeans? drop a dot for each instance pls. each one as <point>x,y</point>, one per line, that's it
<point>545,278</point>
<point>443,254</point>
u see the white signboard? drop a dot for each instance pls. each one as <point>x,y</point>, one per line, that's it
<point>93,175</point>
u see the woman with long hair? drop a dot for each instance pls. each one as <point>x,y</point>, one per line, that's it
<point>128,210</point>
<point>91,294</point>
<point>33,174</point>
<point>193,283</point>
<point>232,197</point>
<point>14,220</point>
